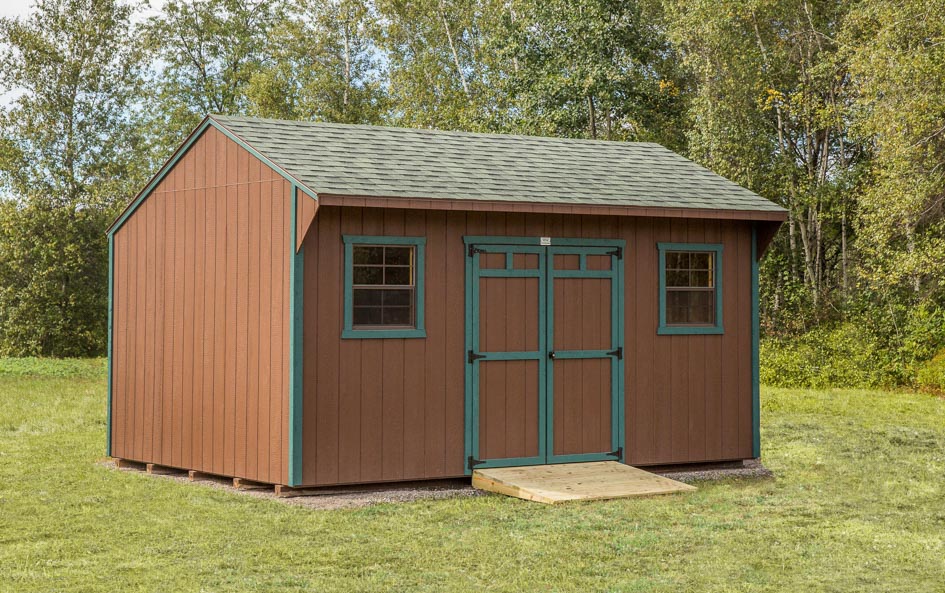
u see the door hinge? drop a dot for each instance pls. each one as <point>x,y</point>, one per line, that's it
<point>618,252</point>
<point>473,250</point>
<point>618,453</point>
<point>473,462</point>
<point>618,353</point>
<point>471,357</point>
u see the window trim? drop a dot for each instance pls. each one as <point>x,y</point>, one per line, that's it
<point>348,329</point>
<point>665,329</point>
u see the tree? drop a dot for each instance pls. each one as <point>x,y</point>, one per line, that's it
<point>896,52</point>
<point>71,152</point>
<point>772,110</point>
<point>71,135</point>
<point>206,52</point>
<point>590,68</point>
<point>323,65</point>
<point>436,65</point>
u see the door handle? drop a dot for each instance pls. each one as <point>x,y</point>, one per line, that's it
<point>551,355</point>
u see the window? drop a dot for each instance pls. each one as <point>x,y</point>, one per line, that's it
<point>690,299</point>
<point>383,287</point>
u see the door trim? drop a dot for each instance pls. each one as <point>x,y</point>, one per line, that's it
<point>546,313</point>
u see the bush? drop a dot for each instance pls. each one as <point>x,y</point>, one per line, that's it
<point>841,356</point>
<point>76,368</point>
<point>931,376</point>
<point>875,350</point>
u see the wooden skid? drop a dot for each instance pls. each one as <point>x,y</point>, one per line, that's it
<point>153,468</point>
<point>128,464</point>
<point>551,484</point>
<point>244,484</point>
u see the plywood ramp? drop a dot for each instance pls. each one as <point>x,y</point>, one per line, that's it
<point>596,480</point>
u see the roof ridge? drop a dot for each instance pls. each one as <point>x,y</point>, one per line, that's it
<point>433,131</point>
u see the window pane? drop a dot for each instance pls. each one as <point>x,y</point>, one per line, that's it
<point>396,316</point>
<point>396,276</point>
<point>398,298</point>
<point>367,297</point>
<point>368,275</point>
<point>368,254</point>
<point>366,316</point>
<point>690,307</point>
<point>398,256</point>
<point>677,278</point>
<point>699,279</point>
<point>700,261</point>
<point>677,260</point>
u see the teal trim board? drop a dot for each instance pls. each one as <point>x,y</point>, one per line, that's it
<point>755,343</point>
<point>111,292</point>
<point>673,329</point>
<point>348,330</point>
<point>182,150</point>
<point>546,275</point>
<point>296,278</point>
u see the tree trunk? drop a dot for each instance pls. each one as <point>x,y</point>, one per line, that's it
<point>592,116</point>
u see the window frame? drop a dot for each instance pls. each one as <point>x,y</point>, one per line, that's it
<point>690,329</point>
<point>419,245</point>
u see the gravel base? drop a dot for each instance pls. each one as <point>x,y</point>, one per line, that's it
<point>332,499</point>
<point>751,468</point>
<point>366,496</point>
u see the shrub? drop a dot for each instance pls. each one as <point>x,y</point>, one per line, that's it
<point>846,355</point>
<point>78,368</point>
<point>931,376</point>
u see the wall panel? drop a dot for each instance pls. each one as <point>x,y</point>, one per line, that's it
<point>201,318</point>
<point>393,409</point>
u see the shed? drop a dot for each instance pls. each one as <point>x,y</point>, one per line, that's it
<point>313,304</point>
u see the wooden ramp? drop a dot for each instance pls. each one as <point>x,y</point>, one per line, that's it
<point>596,480</point>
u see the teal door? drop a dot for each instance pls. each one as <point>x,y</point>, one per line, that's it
<point>544,355</point>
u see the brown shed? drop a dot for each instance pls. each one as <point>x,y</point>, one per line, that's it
<point>315,304</point>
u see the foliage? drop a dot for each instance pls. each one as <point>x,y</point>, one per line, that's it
<point>71,368</point>
<point>592,68</point>
<point>53,275</point>
<point>897,59</point>
<point>835,110</point>
<point>771,110</point>
<point>71,135</point>
<point>844,356</point>
<point>931,375</point>
<point>71,151</point>
<point>321,65</point>
<point>875,350</point>
<point>826,515</point>
<point>207,53</point>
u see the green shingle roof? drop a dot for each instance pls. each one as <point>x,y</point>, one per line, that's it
<point>356,160</point>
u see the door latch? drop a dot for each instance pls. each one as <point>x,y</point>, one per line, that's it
<point>551,354</point>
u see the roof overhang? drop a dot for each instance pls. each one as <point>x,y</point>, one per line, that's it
<point>546,207</point>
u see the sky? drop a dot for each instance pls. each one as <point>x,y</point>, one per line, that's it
<point>13,8</point>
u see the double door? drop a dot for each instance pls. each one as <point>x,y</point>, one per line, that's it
<point>544,351</point>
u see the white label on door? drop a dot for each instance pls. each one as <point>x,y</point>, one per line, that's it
<point>545,241</point>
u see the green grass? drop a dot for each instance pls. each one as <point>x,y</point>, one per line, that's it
<point>858,505</point>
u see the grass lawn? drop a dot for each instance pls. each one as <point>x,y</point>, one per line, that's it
<point>858,505</point>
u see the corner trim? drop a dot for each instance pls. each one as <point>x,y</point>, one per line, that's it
<point>755,343</point>
<point>111,300</point>
<point>296,271</point>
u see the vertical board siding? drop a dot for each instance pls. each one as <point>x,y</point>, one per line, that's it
<point>201,302</point>
<point>393,409</point>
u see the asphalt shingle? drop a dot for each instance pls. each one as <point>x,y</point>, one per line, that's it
<point>356,160</point>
